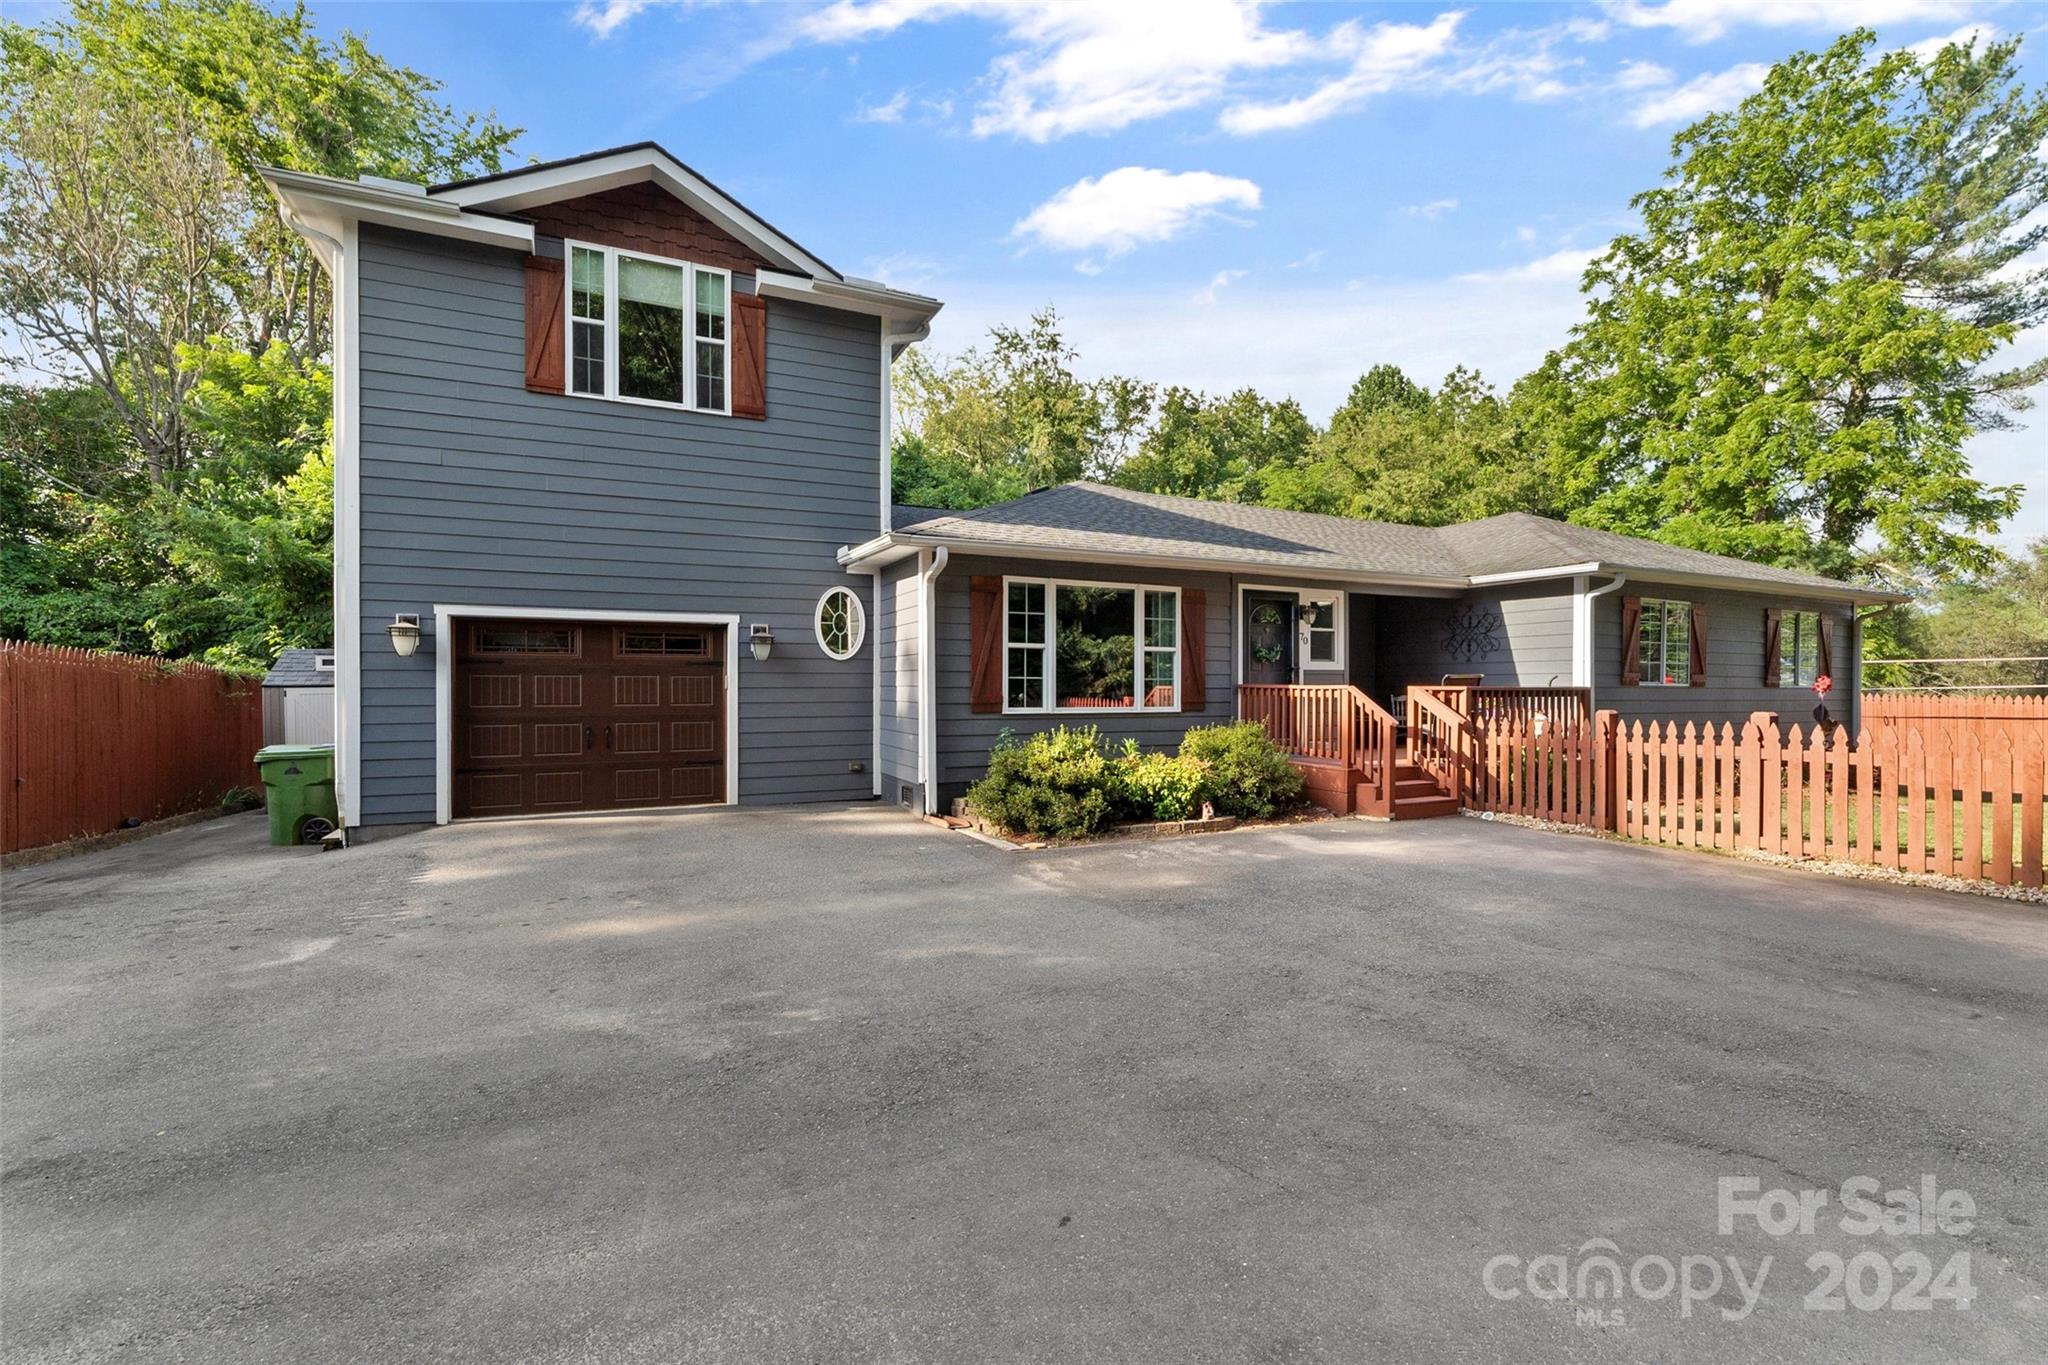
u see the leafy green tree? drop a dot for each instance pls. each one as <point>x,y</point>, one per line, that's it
<point>2002,614</point>
<point>1228,448</point>
<point>1398,452</point>
<point>1785,361</point>
<point>1013,417</point>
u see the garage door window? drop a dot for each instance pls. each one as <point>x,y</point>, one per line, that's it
<point>523,640</point>
<point>683,644</point>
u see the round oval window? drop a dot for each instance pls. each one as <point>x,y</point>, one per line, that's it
<point>841,623</point>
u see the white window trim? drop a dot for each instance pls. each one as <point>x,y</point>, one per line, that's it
<point>1050,648</point>
<point>1788,644</point>
<point>1684,605</point>
<point>445,618</point>
<point>857,615</point>
<point>612,256</point>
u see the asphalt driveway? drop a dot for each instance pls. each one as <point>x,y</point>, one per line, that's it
<point>830,1085</point>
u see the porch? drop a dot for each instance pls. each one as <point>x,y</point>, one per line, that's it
<point>1358,757</point>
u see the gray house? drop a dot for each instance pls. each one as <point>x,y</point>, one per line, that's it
<point>613,531</point>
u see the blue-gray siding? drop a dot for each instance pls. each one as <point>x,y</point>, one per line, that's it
<point>1735,661</point>
<point>475,491</point>
<point>1529,643</point>
<point>899,645</point>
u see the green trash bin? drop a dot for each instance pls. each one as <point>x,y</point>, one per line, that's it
<point>298,789</point>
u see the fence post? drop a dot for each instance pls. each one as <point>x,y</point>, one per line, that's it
<point>1606,727</point>
<point>1760,723</point>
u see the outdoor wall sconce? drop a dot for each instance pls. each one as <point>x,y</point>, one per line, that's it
<point>763,640</point>
<point>404,631</point>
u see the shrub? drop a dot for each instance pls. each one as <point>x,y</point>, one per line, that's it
<point>1249,775</point>
<point>1056,784</point>
<point>1162,786</point>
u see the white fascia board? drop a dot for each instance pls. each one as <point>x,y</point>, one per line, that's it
<point>329,203</point>
<point>1535,575</point>
<point>1650,578</point>
<point>911,313</point>
<point>898,544</point>
<point>518,191</point>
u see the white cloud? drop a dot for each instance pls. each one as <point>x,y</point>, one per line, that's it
<point>903,269</point>
<point>1309,260</point>
<point>1701,95</point>
<point>1077,68</point>
<point>1980,34</point>
<point>1218,282</point>
<point>889,111</point>
<point>1567,264</point>
<point>1131,206</point>
<point>1382,57</point>
<point>603,17</point>
<point>1642,76</point>
<point>1433,210</point>
<point>1702,21</point>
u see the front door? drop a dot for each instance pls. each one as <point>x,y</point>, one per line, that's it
<point>1269,637</point>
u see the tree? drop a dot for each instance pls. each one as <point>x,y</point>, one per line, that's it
<point>1785,361</point>
<point>1398,452</point>
<point>2001,615</point>
<point>989,425</point>
<point>1228,448</point>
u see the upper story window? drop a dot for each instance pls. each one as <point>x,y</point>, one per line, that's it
<point>1799,649</point>
<point>643,329</point>
<point>1664,642</point>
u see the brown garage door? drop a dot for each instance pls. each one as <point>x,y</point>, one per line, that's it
<point>587,715</point>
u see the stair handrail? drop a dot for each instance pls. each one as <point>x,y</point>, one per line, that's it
<point>1440,742</point>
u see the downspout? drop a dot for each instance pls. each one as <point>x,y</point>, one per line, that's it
<point>1854,723</point>
<point>874,634</point>
<point>927,676</point>
<point>1586,629</point>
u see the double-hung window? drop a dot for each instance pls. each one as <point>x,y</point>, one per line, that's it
<point>1799,648</point>
<point>1321,620</point>
<point>1089,646</point>
<point>1664,642</point>
<point>644,329</point>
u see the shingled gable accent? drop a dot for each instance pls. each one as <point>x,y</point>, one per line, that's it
<point>646,218</point>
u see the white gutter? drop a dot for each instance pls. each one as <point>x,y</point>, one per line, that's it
<point>899,545</point>
<point>927,675</point>
<point>353,201</point>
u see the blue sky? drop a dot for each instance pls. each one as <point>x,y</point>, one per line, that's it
<point>1213,192</point>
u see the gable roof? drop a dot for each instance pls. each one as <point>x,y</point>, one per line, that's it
<point>301,668</point>
<point>1091,521</point>
<point>635,163</point>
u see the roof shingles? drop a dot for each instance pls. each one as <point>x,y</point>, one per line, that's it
<point>1096,519</point>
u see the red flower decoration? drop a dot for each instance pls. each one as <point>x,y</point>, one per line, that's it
<point>1822,685</point>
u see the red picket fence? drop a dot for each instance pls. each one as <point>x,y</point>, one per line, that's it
<point>93,740</point>
<point>1955,797</point>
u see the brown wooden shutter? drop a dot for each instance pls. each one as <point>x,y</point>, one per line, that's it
<point>749,356</point>
<point>985,636</point>
<point>1194,650</point>
<point>1631,645</point>
<point>1827,655</point>
<point>1774,645</point>
<point>1698,639</point>
<point>544,324</point>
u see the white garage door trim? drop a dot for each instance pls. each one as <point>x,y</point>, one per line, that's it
<point>444,682</point>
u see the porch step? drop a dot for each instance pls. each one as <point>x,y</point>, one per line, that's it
<point>1424,807</point>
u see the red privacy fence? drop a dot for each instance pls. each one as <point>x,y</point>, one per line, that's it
<point>89,741</point>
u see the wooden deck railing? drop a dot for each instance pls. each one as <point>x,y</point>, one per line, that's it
<point>1568,707</point>
<point>1440,738</point>
<point>1332,724</point>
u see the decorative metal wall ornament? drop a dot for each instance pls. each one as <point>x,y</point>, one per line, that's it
<point>1472,634</point>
